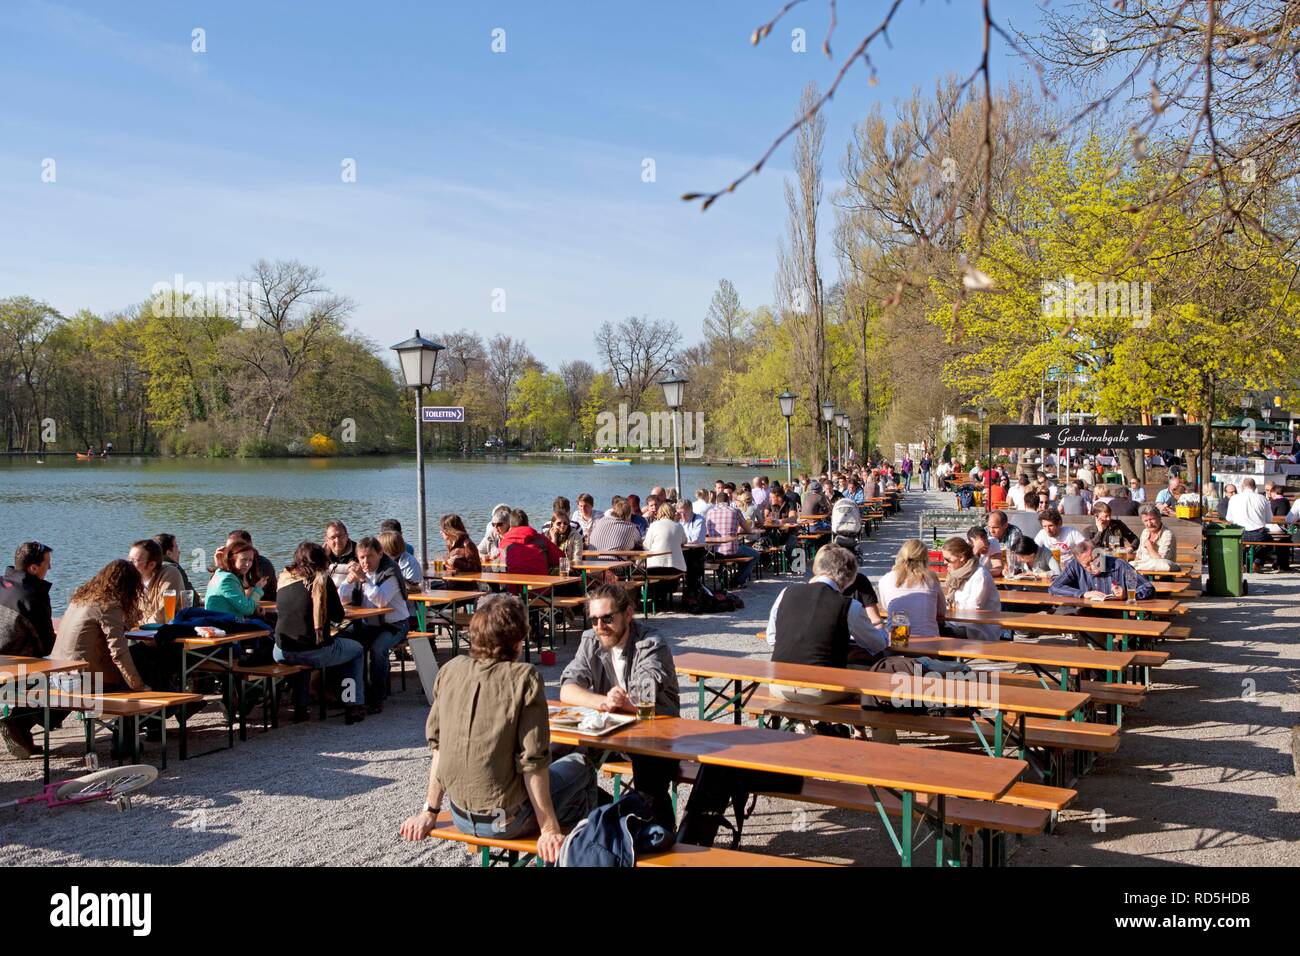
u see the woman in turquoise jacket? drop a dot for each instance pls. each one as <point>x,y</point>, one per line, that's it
<point>226,591</point>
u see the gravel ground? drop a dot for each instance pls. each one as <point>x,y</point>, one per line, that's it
<point>1204,775</point>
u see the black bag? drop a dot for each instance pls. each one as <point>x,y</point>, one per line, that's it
<point>613,834</point>
<point>705,601</point>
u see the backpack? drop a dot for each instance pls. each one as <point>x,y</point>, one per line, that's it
<point>965,497</point>
<point>612,834</point>
<point>705,601</point>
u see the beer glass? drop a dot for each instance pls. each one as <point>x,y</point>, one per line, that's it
<point>169,605</point>
<point>900,629</point>
<point>643,693</point>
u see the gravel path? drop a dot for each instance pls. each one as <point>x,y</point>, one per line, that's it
<point>1204,775</point>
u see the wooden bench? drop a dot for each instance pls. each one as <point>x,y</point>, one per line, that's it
<point>1024,810</point>
<point>114,709</point>
<point>519,851</point>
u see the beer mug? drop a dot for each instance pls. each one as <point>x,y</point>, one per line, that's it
<point>169,605</point>
<point>186,599</point>
<point>900,629</point>
<point>643,694</point>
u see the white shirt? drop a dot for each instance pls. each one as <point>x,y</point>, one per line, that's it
<point>980,593</point>
<point>665,534</point>
<point>920,603</point>
<point>1017,497</point>
<point>699,506</point>
<point>617,657</point>
<point>865,634</point>
<point>1068,538</point>
<point>1249,510</point>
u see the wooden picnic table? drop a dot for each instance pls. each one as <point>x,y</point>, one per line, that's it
<point>436,599</point>
<point>1042,584</point>
<point>903,771</point>
<point>537,582</point>
<point>1160,607</point>
<point>21,671</point>
<point>746,674</point>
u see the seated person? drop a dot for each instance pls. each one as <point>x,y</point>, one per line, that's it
<point>340,551</point>
<point>1055,537</point>
<point>586,515</point>
<point>968,586</point>
<point>988,550</point>
<point>724,520</point>
<point>228,591</point>
<point>820,623</point>
<point>1109,534</point>
<point>490,547</point>
<point>462,556</point>
<point>1096,576</point>
<point>489,732</point>
<point>910,586</point>
<point>1026,557</point>
<point>526,550</point>
<point>1003,531</point>
<point>692,523</point>
<point>395,547</point>
<point>307,605</point>
<point>1156,548</point>
<point>614,530</point>
<point>94,627</point>
<point>26,630</point>
<point>635,515</point>
<point>262,569</point>
<point>618,657</point>
<point>172,557</point>
<point>156,578</point>
<point>1073,503</point>
<point>375,581</point>
<point>665,534</point>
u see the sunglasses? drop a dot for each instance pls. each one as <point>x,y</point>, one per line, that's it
<point>604,620</point>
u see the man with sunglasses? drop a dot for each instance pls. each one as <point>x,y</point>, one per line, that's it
<point>614,658</point>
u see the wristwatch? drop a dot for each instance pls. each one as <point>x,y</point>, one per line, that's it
<point>429,809</point>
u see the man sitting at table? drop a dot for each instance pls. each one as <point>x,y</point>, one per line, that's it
<point>1073,503</point>
<point>1167,500</point>
<point>1054,536</point>
<point>614,530</point>
<point>376,581</point>
<point>1096,576</point>
<point>172,557</point>
<point>527,551</point>
<point>724,520</point>
<point>1110,534</point>
<point>24,590</point>
<point>616,658</point>
<point>1026,557</point>
<point>586,514</point>
<point>1250,511</point>
<point>817,623</point>
<point>1003,531</point>
<point>340,552</point>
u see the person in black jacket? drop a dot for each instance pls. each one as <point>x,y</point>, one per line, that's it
<point>26,630</point>
<point>25,590</point>
<point>307,604</point>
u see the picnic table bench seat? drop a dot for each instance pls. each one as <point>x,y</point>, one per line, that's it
<point>1039,731</point>
<point>1127,695</point>
<point>678,855</point>
<point>113,709</point>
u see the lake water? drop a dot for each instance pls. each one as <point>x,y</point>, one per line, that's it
<point>89,512</point>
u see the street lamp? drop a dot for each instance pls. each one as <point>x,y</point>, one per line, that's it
<point>841,422</point>
<point>828,413</point>
<point>674,387</point>
<point>418,358</point>
<point>984,465</point>
<point>786,399</point>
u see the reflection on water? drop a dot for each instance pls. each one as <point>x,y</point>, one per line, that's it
<point>90,511</point>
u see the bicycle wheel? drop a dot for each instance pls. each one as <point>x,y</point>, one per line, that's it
<point>106,784</point>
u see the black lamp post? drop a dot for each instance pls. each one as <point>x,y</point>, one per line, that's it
<point>828,414</point>
<point>419,360</point>
<point>786,400</point>
<point>674,387</point>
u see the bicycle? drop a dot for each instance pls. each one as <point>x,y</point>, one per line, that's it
<point>115,784</point>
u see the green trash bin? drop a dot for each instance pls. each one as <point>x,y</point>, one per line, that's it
<point>1223,544</point>
<point>1113,478</point>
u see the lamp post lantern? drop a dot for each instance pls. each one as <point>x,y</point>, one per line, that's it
<point>828,413</point>
<point>786,400</point>
<point>674,387</point>
<point>418,358</point>
<point>841,422</point>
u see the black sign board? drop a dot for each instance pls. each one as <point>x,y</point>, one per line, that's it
<point>1095,437</point>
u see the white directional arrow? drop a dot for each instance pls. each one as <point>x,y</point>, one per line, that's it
<point>1046,436</point>
<point>1142,437</point>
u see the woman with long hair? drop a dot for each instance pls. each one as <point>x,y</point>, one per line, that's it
<point>462,556</point>
<point>94,627</point>
<point>227,591</point>
<point>910,586</point>
<point>968,586</point>
<point>307,605</point>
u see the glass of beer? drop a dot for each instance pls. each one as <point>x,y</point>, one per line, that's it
<point>900,629</point>
<point>643,696</point>
<point>169,604</point>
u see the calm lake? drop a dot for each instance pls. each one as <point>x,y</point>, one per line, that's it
<point>89,512</point>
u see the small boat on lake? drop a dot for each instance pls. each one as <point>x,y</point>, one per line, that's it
<point>611,461</point>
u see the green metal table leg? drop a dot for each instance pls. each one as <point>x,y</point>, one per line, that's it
<point>905,836</point>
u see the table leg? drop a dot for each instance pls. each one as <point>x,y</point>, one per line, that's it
<point>45,713</point>
<point>905,836</point>
<point>738,705</point>
<point>700,699</point>
<point>527,652</point>
<point>997,734</point>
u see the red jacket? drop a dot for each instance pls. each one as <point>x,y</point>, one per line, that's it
<point>528,551</point>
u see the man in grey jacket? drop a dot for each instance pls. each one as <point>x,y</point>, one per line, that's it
<point>615,660</point>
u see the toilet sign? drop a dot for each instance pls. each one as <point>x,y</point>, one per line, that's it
<point>443,413</point>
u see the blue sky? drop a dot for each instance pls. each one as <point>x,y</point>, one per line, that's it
<point>476,170</point>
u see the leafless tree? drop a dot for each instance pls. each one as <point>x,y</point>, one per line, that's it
<point>506,361</point>
<point>577,377</point>
<point>292,310</point>
<point>637,351</point>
